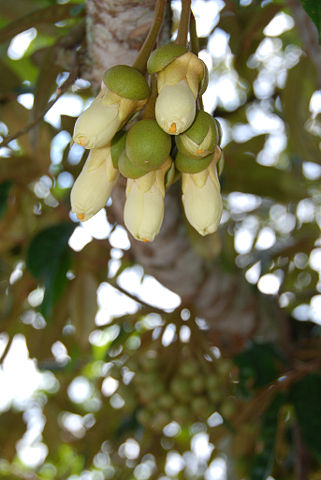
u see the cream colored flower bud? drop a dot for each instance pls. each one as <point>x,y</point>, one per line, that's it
<point>144,207</point>
<point>97,125</point>
<point>93,186</point>
<point>175,108</point>
<point>202,200</point>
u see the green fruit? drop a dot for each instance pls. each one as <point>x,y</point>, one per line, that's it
<point>188,369</point>
<point>215,396</point>
<point>127,82</point>
<point>159,421</point>
<point>148,363</point>
<point>147,145</point>
<point>197,384</point>
<point>181,414</point>
<point>144,417</point>
<point>200,407</point>
<point>166,401</point>
<point>118,146</point>
<point>228,408</point>
<point>180,387</point>
<point>127,169</point>
<point>187,164</point>
<point>163,56</point>
<point>212,382</point>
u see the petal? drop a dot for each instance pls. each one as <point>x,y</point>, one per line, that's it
<point>97,125</point>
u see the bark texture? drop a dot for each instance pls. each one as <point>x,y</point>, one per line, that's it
<point>226,301</point>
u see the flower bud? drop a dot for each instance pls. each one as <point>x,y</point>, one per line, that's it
<point>200,139</point>
<point>144,207</point>
<point>93,186</point>
<point>175,108</point>
<point>202,200</point>
<point>97,125</point>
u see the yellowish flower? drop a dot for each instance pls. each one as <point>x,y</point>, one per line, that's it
<point>144,207</point>
<point>202,199</point>
<point>178,86</point>
<point>97,125</point>
<point>94,184</point>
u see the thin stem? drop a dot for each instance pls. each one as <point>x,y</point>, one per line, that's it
<point>193,33</point>
<point>148,45</point>
<point>183,26</point>
<point>150,107</point>
<point>59,92</point>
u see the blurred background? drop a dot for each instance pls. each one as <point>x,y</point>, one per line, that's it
<point>190,357</point>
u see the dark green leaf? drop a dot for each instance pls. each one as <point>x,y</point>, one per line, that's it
<point>258,364</point>
<point>306,397</point>
<point>4,193</point>
<point>313,9</point>
<point>263,463</point>
<point>48,259</point>
<point>52,14</point>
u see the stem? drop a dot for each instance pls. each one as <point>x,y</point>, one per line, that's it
<point>148,45</point>
<point>183,26</point>
<point>193,33</point>
<point>150,107</point>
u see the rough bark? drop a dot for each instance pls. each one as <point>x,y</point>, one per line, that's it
<point>226,301</point>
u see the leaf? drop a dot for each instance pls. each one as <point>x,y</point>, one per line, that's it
<point>305,396</point>
<point>4,194</point>
<point>313,9</point>
<point>243,174</point>
<point>263,463</point>
<point>43,89</point>
<point>48,259</point>
<point>52,14</point>
<point>260,364</point>
<point>300,85</point>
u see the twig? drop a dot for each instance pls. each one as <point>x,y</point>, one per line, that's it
<point>149,307</point>
<point>183,26</point>
<point>59,92</point>
<point>301,465</point>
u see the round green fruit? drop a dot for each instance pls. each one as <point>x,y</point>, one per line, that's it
<point>163,56</point>
<point>187,164</point>
<point>127,82</point>
<point>127,169</point>
<point>147,145</point>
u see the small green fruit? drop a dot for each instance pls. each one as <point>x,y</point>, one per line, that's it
<point>197,384</point>
<point>166,401</point>
<point>163,56</point>
<point>118,146</point>
<point>147,145</point>
<point>188,369</point>
<point>180,387</point>
<point>187,164</point>
<point>127,169</point>
<point>127,82</point>
<point>181,414</point>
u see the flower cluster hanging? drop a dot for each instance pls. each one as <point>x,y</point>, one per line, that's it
<point>174,138</point>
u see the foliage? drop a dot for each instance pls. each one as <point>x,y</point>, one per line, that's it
<point>124,386</point>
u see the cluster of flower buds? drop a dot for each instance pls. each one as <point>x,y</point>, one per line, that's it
<point>145,153</point>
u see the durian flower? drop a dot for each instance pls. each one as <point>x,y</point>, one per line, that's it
<point>175,108</point>
<point>178,86</point>
<point>94,184</point>
<point>97,125</point>
<point>144,207</point>
<point>202,199</point>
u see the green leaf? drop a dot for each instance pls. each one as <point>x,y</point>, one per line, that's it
<point>313,9</point>
<point>263,463</point>
<point>48,259</point>
<point>4,194</point>
<point>52,14</point>
<point>306,398</point>
<point>260,364</point>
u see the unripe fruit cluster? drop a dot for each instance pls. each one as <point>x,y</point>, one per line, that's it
<point>189,394</point>
<point>144,152</point>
